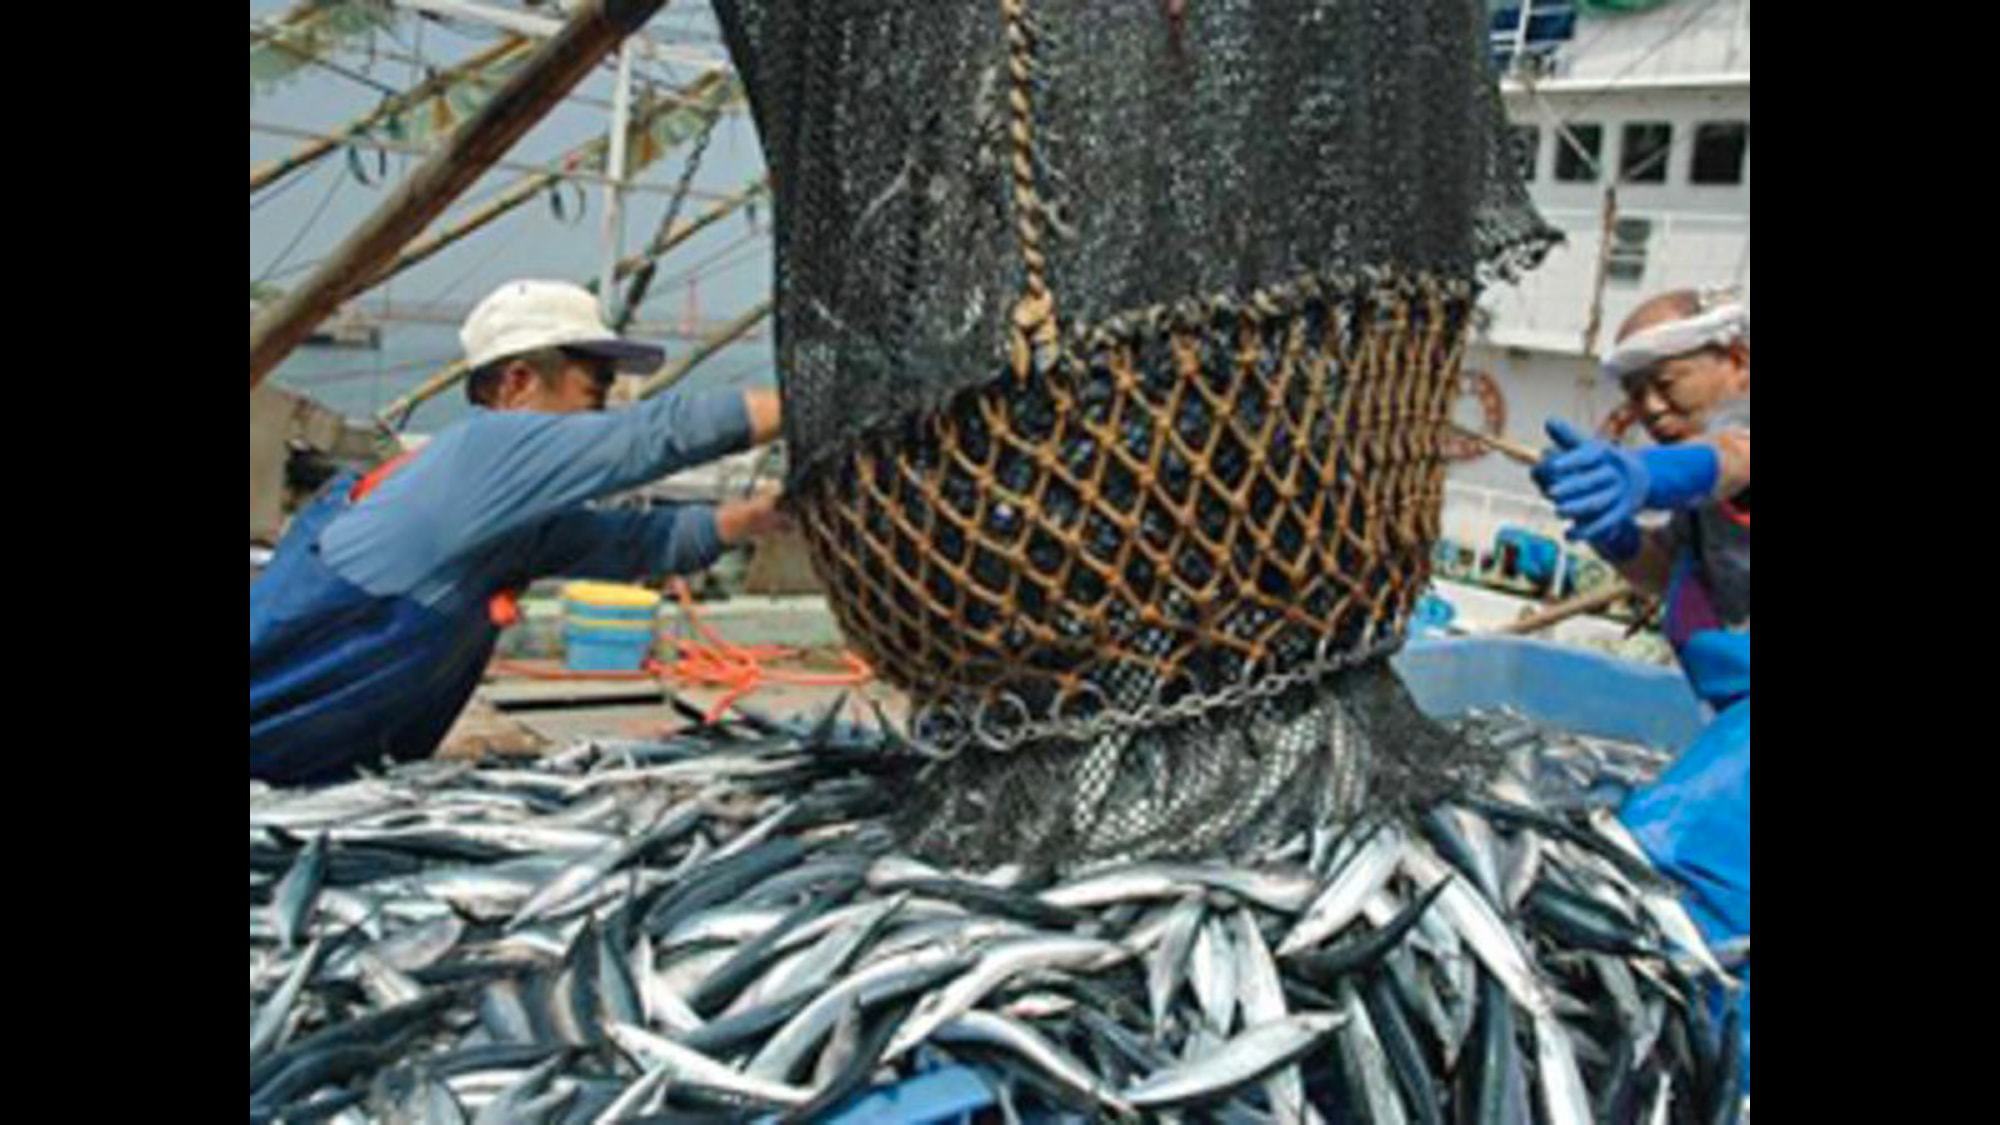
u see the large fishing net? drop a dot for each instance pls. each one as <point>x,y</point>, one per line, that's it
<point>1117,341</point>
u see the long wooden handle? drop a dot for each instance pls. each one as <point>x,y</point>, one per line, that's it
<point>1601,598</point>
<point>1526,455</point>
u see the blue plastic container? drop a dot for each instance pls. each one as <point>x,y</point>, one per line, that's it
<point>1576,690</point>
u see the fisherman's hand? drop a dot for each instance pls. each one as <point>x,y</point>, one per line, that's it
<point>767,416</point>
<point>1596,486</point>
<point>740,521</point>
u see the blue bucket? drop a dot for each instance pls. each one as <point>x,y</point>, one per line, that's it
<point>601,638</point>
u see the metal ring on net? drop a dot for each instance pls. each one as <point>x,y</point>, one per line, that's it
<point>931,741</point>
<point>1013,734</point>
<point>1156,699</point>
<point>1063,714</point>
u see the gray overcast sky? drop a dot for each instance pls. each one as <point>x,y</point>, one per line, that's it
<point>318,205</point>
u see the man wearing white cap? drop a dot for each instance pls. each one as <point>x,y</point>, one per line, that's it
<point>379,610</point>
<point>1683,360</point>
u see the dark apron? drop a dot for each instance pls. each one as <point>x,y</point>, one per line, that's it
<point>340,677</point>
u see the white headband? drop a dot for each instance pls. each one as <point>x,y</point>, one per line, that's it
<point>1722,325</point>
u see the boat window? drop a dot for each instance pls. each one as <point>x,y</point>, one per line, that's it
<point>1573,167</point>
<point>1626,263</point>
<point>1642,157</point>
<point>1527,145</point>
<point>1719,147</point>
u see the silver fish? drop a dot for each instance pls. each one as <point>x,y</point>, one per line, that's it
<point>1366,872</point>
<point>385,985</point>
<point>1564,1098</point>
<point>428,1102</point>
<point>1212,971</point>
<point>1278,890</point>
<point>1365,1062</point>
<point>999,962</point>
<point>1166,969</point>
<point>1261,999</point>
<point>1009,1034</point>
<point>812,965</point>
<point>841,1045</point>
<point>420,946</point>
<point>696,1069</point>
<point>1523,867</point>
<point>292,899</point>
<point>1038,1005</point>
<point>572,881</point>
<point>268,1029</point>
<point>535,1097</point>
<point>1494,944</point>
<point>782,1051</point>
<point>727,923</point>
<point>632,1101</point>
<point>1248,1056</point>
<point>1666,912</point>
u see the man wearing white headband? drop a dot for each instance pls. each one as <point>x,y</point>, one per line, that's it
<point>1683,360</point>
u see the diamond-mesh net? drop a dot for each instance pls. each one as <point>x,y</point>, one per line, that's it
<point>1117,343</point>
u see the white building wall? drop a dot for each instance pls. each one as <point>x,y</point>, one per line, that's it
<point>1685,37</point>
<point>1700,233</point>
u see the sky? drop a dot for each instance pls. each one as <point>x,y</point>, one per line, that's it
<point>301,217</point>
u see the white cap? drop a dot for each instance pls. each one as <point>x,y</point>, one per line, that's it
<point>525,316</point>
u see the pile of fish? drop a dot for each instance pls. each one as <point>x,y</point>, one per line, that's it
<point>717,927</point>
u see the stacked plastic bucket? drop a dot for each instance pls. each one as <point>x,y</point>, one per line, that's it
<point>608,627</point>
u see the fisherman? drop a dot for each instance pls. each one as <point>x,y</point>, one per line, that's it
<point>1683,361</point>
<point>374,620</point>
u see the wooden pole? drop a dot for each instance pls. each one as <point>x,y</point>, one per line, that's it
<point>677,370</point>
<point>1603,597</point>
<point>466,154</point>
<point>1526,455</point>
<point>263,174</point>
<point>521,191</point>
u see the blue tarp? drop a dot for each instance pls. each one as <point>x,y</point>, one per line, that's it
<point>1695,824</point>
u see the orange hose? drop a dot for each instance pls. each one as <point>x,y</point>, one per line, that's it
<point>741,669</point>
<point>712,662</point>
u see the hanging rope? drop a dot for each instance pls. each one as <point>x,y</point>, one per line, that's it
<point>635,289</point>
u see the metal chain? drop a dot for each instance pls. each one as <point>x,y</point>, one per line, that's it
<point>635,289</point>
<point>980,729</point>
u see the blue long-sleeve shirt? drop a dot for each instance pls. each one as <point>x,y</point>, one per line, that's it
<point>497,500</point>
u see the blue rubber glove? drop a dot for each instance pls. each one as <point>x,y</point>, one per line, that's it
<point>1600,487</point>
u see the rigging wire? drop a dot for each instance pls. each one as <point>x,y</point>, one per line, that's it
<point>299,235</point>
<point>273,193</point>
<point>696,271</point>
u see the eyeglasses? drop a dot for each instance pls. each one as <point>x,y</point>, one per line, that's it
<point>602,371</point>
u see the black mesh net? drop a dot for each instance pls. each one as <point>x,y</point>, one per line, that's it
<point>1117,340</point>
